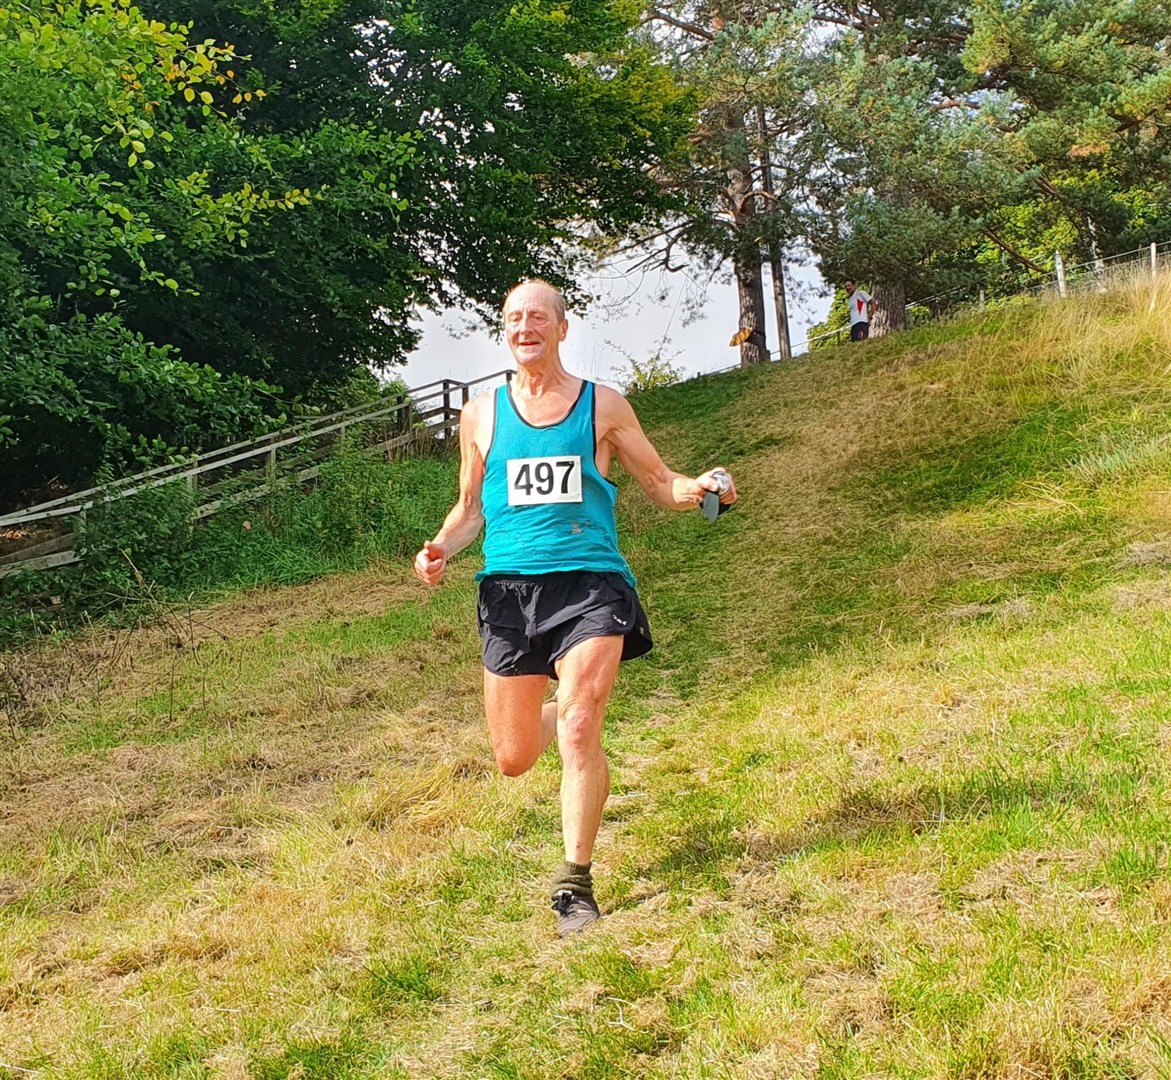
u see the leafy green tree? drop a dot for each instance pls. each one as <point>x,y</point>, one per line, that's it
<point>187,229</point>
<point>901,181</point>
<point>1083,111</point>
<point>324,284</point>
<point>449,149</point>
<point>967,142</point>
<point>93,95</point>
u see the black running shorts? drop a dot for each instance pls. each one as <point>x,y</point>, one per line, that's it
<point>528,623</point>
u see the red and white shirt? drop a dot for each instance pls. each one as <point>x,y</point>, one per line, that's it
<point>858,305</point>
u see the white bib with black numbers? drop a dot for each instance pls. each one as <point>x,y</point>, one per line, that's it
<point>535,481</point>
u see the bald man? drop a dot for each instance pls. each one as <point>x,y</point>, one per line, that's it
<point>556,598</point>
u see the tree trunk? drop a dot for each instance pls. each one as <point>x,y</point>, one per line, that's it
<point>750,291</point>
<point>784,347</point>
<point>890,308</point>
<point>746,257</point>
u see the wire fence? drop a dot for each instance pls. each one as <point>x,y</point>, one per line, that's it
<point>1097,276</point>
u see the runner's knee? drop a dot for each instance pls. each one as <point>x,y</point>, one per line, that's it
<point>579,731</point>
<point>514,761</point>
<point>515,747</point>
<point>509,766</point>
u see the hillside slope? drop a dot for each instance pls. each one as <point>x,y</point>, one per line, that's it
<point>891,797</point>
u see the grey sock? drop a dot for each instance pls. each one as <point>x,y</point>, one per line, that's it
<point>575,878</point>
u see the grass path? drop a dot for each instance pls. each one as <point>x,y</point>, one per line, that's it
<point>891,797</point>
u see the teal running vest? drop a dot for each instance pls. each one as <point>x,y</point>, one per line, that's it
<point>546,506</point>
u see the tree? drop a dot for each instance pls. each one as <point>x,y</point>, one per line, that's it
<point>967,142</point>
<point>91,90</point>
<point>451,149</point>
<point>186,229</point>
<point>1083,110</point>
<point>743,178</point>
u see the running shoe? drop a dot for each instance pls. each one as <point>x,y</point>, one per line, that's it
<point>574,912</point>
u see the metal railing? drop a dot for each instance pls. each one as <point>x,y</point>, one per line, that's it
<point>1095,275</point>
<point>246,470</point>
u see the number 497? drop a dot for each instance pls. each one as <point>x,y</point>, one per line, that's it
<point>542,478</point>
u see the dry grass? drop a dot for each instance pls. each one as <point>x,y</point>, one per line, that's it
<point>891,798</point>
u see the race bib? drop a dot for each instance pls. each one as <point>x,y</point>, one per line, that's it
<point>534,481</point>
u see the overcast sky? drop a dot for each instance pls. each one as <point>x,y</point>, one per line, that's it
<point>635,313</point>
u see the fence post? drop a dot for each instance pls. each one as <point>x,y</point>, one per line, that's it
<point>466,392</point>
<point>271,465</point>
<point>1154,259</point>
<point>1059,264</point>
<point>983,302</point>
<point>446,408</point>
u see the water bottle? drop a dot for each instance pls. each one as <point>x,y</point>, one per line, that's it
<point>711,506</point>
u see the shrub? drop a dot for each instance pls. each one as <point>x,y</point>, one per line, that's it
<point>650,374</point>
<point>139,551</point>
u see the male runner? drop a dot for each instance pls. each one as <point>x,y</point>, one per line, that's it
<point>556,598</point>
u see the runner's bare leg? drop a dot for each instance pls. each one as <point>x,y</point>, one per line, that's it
<point>586,675</point>
<point>520,723</point>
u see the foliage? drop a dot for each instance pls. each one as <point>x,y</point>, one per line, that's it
<point>176,209</point>
<point>739,183</point>
<point>1084,114</point>
<point>451,149</point>
<point>308,299</point>
<point>89,390</point>
<point>564,118</point>
<point>145,551</point>
<point>968,142</point>
<point>98,99</point>
<point>928,147</point>
<point>124,544</point>
<point>656,371</point>
<point>82,130</point>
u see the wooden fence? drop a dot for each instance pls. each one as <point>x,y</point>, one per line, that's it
<point>43,537</point>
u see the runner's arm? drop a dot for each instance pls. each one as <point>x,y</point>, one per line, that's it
<point>639,458</point>
<point>466,518</point>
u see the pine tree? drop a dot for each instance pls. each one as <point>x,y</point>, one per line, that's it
<point>742,178</point>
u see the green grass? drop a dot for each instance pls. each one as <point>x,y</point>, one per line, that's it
<point>891,796</point>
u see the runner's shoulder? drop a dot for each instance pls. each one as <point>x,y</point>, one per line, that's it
<point>480,407</point>
<point>476,420</point>
<point>612,408</point>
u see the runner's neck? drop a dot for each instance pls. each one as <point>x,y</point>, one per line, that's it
<point>543,378</point>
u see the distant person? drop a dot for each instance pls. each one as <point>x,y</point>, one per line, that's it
<point>556,597</point>
<point>861,308</point>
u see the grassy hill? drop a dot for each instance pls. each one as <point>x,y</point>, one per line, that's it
<point>891,797</point>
